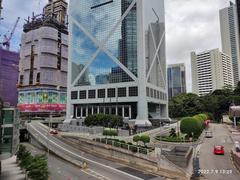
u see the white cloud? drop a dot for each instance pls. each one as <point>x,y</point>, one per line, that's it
<point>191,25</point>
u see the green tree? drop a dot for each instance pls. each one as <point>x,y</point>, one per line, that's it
<point>136,139</point>
<point>105,120</point>
<point>191,125</point>
<point>21,152</point>
<point>184,105</point>
<point>38,168</point>
<point>237,90</point>
<point>145,139</point>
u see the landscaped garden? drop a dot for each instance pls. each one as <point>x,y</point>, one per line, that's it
<point>190,127</point>
<point>135,148</point>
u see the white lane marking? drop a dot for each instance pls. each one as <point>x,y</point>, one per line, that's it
<point>86,159</point>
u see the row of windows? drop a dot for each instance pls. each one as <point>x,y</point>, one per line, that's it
<point>153,93</point>
<point>101,93</point>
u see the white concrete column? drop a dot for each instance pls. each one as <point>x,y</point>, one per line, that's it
<point>130,112</point>
<point>69,76</point>
<point>142,82</point>
<point>98,109</point>
<point>81,109</point>
<point>86,111</point>
<point>123,115</point>
<point>116,112</point>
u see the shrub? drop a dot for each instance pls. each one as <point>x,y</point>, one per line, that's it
<point>145,139</point>
<point>190,125</point>
<point>105,120</point>
<point>110,132</point>
<point>21,153</point>
<point>209,116</point>
<point>133,148</point>
<point>143,150</point>
<point>117,144</point>
<point>136,138</point>
<point>124,146</point>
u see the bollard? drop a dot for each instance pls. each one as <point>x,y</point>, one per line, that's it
<point>84,165</point>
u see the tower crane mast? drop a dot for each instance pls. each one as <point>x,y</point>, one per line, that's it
<point>7,39</point>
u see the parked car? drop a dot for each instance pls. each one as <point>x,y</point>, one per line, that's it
<point>237,146</point>
<point>208,134</point>
<point>53,131</point>
<point>218,150</point>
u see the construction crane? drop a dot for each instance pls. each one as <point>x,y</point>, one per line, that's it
<point>7,39</point>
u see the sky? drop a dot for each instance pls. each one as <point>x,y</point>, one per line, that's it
<point>191,25</point>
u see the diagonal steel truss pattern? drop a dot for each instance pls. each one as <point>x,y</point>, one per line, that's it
<point>101,46</point>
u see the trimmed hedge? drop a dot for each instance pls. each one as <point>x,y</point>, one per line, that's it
<point>128,146</point>
<point>105,120</point>
<point>110,132</point>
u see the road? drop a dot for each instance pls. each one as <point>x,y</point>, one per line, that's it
<point>59,168</point>
<point>217,167</point>
<point>99,168</point>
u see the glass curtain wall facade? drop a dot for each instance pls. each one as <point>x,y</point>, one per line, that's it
<point>176,80</point>
<point>105,61</point>
<point>9,132</point>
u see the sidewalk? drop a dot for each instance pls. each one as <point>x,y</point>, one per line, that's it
<point>10,170</point>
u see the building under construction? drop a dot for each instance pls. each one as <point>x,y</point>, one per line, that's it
<point>43,62</point>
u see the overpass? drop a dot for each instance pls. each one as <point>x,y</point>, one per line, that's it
<point>104,169</point>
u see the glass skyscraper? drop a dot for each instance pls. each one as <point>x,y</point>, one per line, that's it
<point>117,59</point>
<point>176,79</point>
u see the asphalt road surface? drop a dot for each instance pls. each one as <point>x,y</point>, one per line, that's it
<point>97,167</point>
<point>59,168</point>
<point>217,167</point>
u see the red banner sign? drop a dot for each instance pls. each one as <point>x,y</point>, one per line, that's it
<point>42,107</point>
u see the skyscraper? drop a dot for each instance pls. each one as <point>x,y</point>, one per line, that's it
<point>176,79</point>
<point>43,62</point>
<point>211,70</point>
<point>120,44</point>
<point>9,61</point>
<point>230,37</point>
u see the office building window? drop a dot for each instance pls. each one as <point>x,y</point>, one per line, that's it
<point>148,92</point>
<point>133,91</point>
<point>38,78</point>
<point>111,92</point>
<point>92,94</point>
<point>83,112</point>
<point>101,110</point>
<point>95,110</point>
<point>74,95</point>
<point>21,80</point>
<point>155,93</point>
<point>151,93</point>
<point>101,93</point>
<point>122,92</point>
<point>126,111</point>
<point>82,94</point>
<point>89,111</point>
